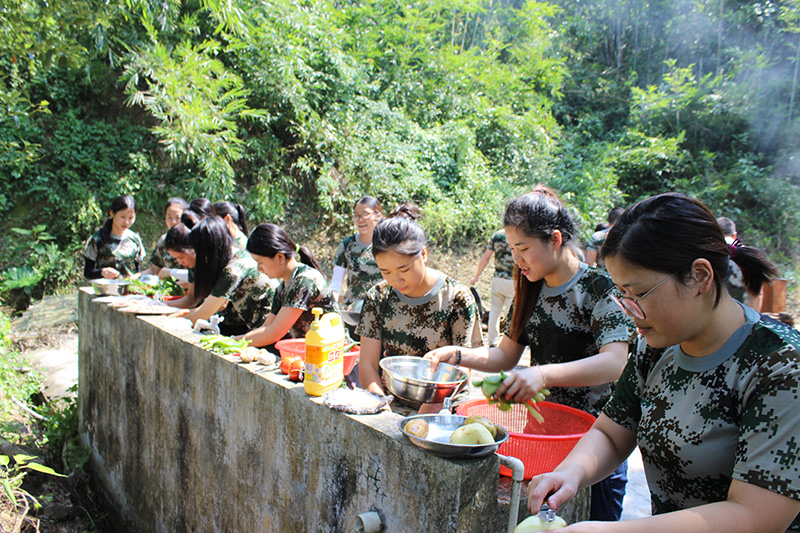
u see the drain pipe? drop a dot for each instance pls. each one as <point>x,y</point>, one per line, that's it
<point>369,522</point>
<point>517,472</point>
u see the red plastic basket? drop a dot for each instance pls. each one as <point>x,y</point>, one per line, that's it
<point>298,347</point>
<point>540,446</point>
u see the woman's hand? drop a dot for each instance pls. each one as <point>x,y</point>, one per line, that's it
<point>165,273</point>
<point>180,313</point>
<point>445,354</point>
<point>554,489</point>
<point>109,273</point>
<point>522,385</point>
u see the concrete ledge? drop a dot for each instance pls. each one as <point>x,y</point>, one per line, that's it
<point>186,440</point>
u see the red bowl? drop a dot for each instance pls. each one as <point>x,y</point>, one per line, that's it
<point>287,347</point>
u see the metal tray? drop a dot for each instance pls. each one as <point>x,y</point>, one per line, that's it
<point>440,427</point>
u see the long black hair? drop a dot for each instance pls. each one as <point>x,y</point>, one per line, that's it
<point>177,239</point>
<point>537,214</point>
<point>120,203</point>
<point>667,232</point>
<point>269,240</point>
<point>202,207</point>
<point>212,245</point>
<point>399,232</point>
<point>236,211</point>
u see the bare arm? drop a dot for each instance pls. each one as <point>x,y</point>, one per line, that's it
<point>481,266</point>
<point>275,327</point>
<point>505,356</point>
<point>187,302</point>
<point>368,365</point>
<point>210,305</point>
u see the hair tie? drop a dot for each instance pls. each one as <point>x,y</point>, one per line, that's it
<point>297,248</point>
<point>733,246</point>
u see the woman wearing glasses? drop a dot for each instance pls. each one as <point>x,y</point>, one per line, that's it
<point>354,258</point>
<point>564,311</point>
<point>710,393</point>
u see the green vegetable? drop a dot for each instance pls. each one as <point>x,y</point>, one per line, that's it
<point>164,287</point>
<point>222,344</point>
<point>489,386</point>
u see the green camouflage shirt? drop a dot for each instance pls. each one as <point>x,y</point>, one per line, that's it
<point>446,316</point>
<point>362,270</point>
<point>306,289</point>
<point>121,253</point>
<point>703,421</point>
<point>596,243</point>
<point>240,242</point>
<point>249,293</point>
<point>503,260</point>
<point>161,257</point>
<point>571,322</point>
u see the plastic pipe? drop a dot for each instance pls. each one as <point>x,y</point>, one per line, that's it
<point>517,473</point>
<point>369,522</point>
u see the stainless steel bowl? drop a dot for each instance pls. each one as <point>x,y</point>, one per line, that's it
<point>412,379</point>
<point>110,287</point>
<point>437,442</point>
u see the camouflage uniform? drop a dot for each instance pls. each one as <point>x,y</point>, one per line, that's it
<point>502,283</point>
<point>122,253</point>
<point>701,422</point>
<point>161,257</point>
<point>596,243</point>
<point>249,294</point>
<point>362,270</point>
<point>306,289</point>
<point>572,322</point>
<point>503,260</point>
<point>240,242</point>
<point>447,315</point>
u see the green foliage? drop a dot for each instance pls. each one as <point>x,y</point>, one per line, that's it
<point>13,384</point>
<point>42,266</point>
<point>13,474</point>
<point>60,433</point>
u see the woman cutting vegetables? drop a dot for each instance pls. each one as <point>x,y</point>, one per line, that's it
<point>710,392</point>
<point>302,286</point>
<point>230,284</point>
<point>565,312</point>
<point>415,308</point>
<point>114,250</point>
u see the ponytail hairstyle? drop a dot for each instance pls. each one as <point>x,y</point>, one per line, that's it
<point>120,203</point>
<point>536,214</point>
<point>236,211</point>
<point>177,239</point>
<point>212,246</point>
<point>668,232</point>
<point>371,202</point>
<point>190,218</point>
<point>180,202</point>
<point>268,240</point>
<point>399,232</point>
<point>202,207</point>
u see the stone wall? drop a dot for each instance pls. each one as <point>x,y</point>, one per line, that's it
<point>186,440</point>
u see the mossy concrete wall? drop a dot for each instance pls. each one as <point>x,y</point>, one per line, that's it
<point>186,440</point>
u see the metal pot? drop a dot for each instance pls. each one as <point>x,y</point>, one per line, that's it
<point>412,378</point>
<point>110,287</point>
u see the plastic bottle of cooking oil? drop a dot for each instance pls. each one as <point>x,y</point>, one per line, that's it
<point>324,344</point>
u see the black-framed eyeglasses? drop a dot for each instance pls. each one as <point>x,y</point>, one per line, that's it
<point>631,305</point>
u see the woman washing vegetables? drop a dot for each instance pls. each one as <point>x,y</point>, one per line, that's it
<point>230,284</point>
<point>710,392</point>
<point>415,308</point>
<point>565,312</point>
<point>302,286</point>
